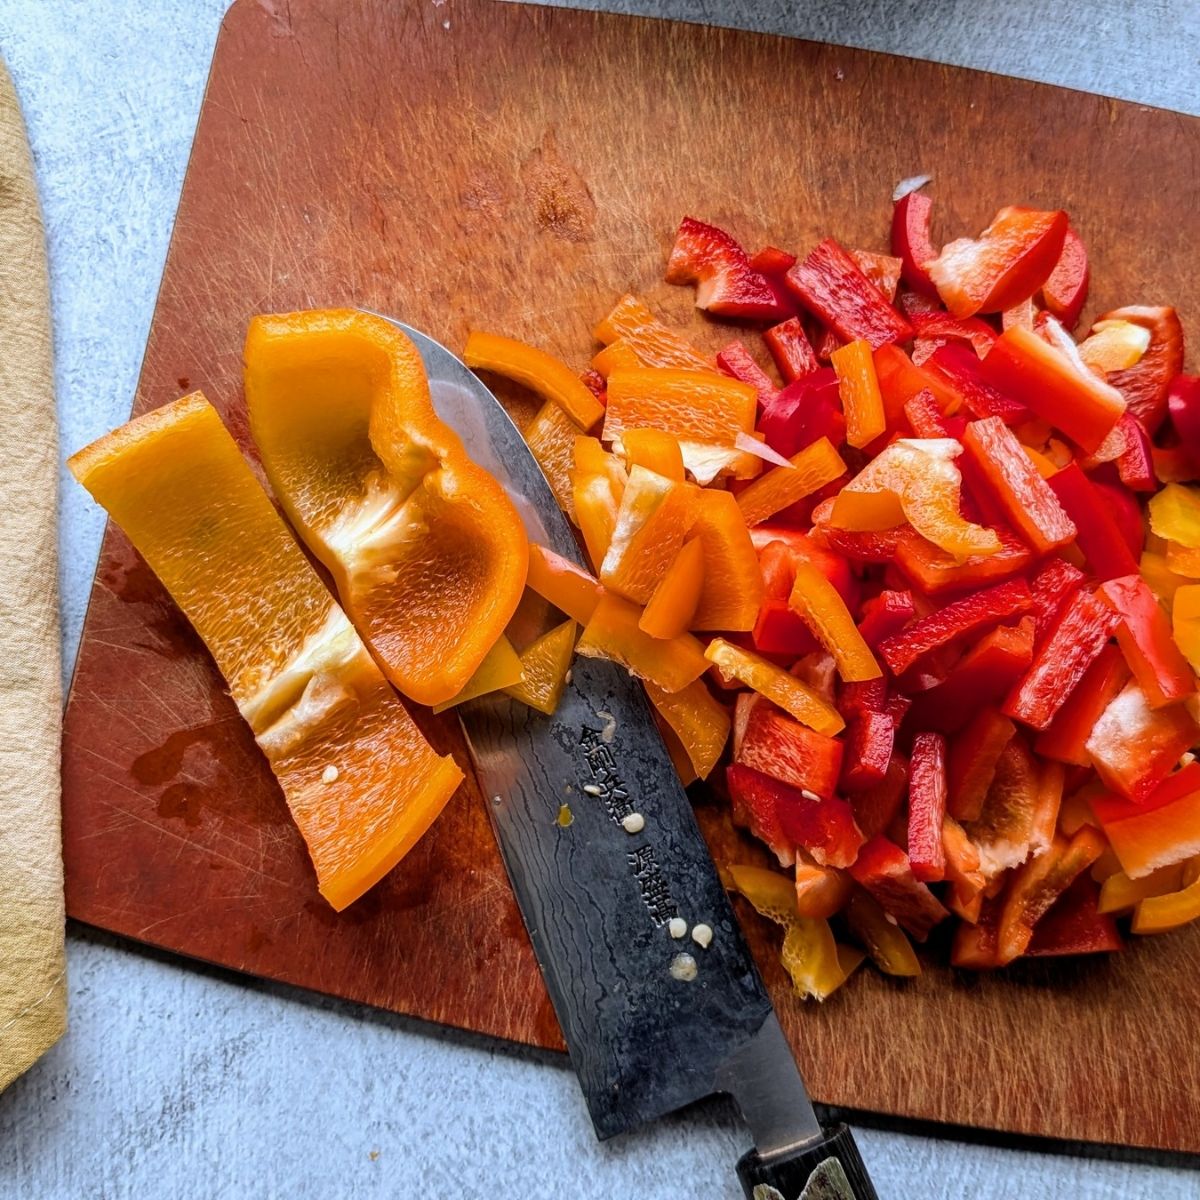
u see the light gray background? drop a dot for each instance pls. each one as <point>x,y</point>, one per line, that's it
<point>181,1081</point>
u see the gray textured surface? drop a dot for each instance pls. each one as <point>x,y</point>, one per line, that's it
<point>180,1081</point>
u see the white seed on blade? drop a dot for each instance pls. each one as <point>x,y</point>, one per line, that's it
<point>591,789</point>
<point>633,823</point>
<point>702,935</point>
<point>330,774</point>
<point>683,967</point>
<point>677,927</point>
<point>610,726</point>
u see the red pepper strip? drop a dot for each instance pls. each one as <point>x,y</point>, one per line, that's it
<point>1065,737</point>
<point>1144,635</point>
<point>927,807</point>
<point>978,333</point>
<point>975,946</point>
<point>736,361</point>
<point>971,763</point>
<point>803,412</point>
<point>1065,292</point>
<point>727,285</point>
<point>1159,832</point>
<point>1079,634</point>
<point>862,696</point>
<point>775,744</point>
<point>933,571</point>
<point>982,677</point>
<point>790,348</point>
<point>1082,406</point>
<point>1038,883</point>
<point>870,739</point>
<point>1099,535</point>
<point>885,615</point>
<point>1051,588</point>
<point>884,870</point>
<point>1183,401</point>
<point>876,808</point>
<point>770,260</point>
<point>754,808</point>
<point>1146,383</point>
<point>872,546</point>
<point>778,630</point>
<point>1014,482</point>
<point>1135,463</point>
<point>900,379</point>
<point>960,618</point>
<point>911,242</point>
<point>958,368</point>
<point>926,419</point>
<point>830,285</point>
<point>1075,925</point>
<point>781,550</point>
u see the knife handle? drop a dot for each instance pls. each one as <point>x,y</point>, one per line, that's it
<point>830,1169</point>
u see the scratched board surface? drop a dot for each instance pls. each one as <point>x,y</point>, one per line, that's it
<point>516,169</point>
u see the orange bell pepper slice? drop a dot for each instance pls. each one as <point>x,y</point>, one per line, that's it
<point>620,356</point>
<point>858,388</point>
<point>653,342</point>
<point>733,584</point>
<point>914,480</point>
<point>565,584</point>
<point>536,370</point>
<point>1157,914</point>
<point>1162,830</point>
<point>791,694</point>
<point>550,437</point>
<point>427,552</point>
<point>613,633</point>
<point>673,605</point>
<point>811,469</point>
<point>500,670</point>
<point>654,449</point>
<point>821,892</point>
<point>597,484</point>
<point>820,605</point>
<point>544,667</point>
<point>884,941</point>
<point>697,719</point>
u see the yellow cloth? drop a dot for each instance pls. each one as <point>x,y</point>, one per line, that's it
<point>33,1001</point>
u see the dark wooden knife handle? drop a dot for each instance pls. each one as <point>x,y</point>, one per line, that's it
<point>830,1169</point>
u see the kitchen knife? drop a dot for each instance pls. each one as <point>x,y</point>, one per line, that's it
<point>652,1022</point>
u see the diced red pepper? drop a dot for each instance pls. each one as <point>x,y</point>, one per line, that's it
<point>926,419</point>
<point>1145,637</point>
<point>979,334</point>
<point>933,571</point>
<point>1183,401</point>
<point>861,696</point>
<point>1051,587</point>
<point>780,550</point>
<point>776,745</point>
<point>737,362</point>
<point>1145,385</point>
<point>927,807</point>
<point>754,808</point>
<point>976,946</point>
<point>911,242</point>
<point>885,615</point>
<point>726,284</point>
<point>958,619</point>
<point>900,379</point>
<point>825,343</point>
<point>596,384</point>
<point>1135,463</point>
<point>1079,634</point>
<point>971,762</point>
<point>883,270</point>
<point>1065,737</point>
<point>790,348</point>
<point>870,739</point>
<point>830,285</point>
<point>872,546</point>
<point>779,631</point>
<point>958,368</point>
<point>1075,925</point>
<point>876,807</point>
<point>885,871</point>
<point>770,260</point>
<point>1065,292</point>
<point>803,412</point>
<point>1098,535</point>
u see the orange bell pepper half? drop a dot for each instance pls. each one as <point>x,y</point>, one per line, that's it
<point>858,388</point>
<point>1157,914</point>
<point>697,719</point>
<point>597,484</point>
<point>536,370</point>
<point>733,584</point>
<point>820,605</point>
<point>550,437</point>
<point>613,633</point>
<point>811,469</point>
<point>654,449</point>
<point>565,584</point>
<point>671,608</point>
<point>544,667</point>
<point>653,342</point>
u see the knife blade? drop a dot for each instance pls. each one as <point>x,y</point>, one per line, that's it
<point>652,1022</point>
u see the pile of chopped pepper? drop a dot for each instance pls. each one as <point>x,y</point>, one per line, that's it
<point>923,600</point>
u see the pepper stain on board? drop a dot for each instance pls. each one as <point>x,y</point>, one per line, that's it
<point>561,202</point>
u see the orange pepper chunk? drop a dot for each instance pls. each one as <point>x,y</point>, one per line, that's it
<point>678,752</point>
<point>858,389</point>
<point>597,483</point>
<point>551,436</point>
<point>654,449</point>
<point>565,584</point>
<point>820,605</point>
<point>812,468</point>
<point>544,666</point>
<point>653,342</point>
<point>620,356</point>
<point>733,583</point>
<point>821,892</point>
<point>697,719</point>
<point>500,670</point>
<point>673,604</point>
<point>536,370</point>
<point>613,633</point>
<point>793,695</point>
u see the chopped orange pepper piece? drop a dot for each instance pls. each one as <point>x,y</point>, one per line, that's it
<point>654,449</point>
<point>812,468</point>
<point>550,437</point>
<point>544,666</point>
<point>858,388</point>
<point>653,342</point>
<point>697,719</point>
<point>597,483</point>
<point>1157,914</point>
<point>620,356</point>
<point>733,582</point>
<point>499,671</point>
<point>613,633</point>
<point>1119,894</point>
<point>789,693</point>
<point>683,765</point>
<point>565,584</point>
<point>820,605</point>
<point>1163,582</point>
<point>673,605</point>
<point>536,370</point>
<point>1183,560</point>
<point>821,892</point>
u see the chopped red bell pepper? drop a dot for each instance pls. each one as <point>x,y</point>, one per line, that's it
<point>1045,380</point>
<point>978,333</point>
<point>596,384</point>
<point>870,739</point>
<point>779,631</point>
<point>790,348</point>
<point>883,270</point>
<point>1183,402</point>
<point>1065,737</point>
<point>754,808</point>
<point>1098,534</point>
<point>770,260</point>
<point>825,343</point>
<point>726,284</point>
<point>1051,587</point>
<point>780,550</point>
<point>803,412</point>
<point>971,762</point>
<point>911,242</point>
<point>773,743</point>
<point>870,546</point>
<point>933,571</point>
<point>1145,385</point>
<point>1075,925</point>
<point>1015,484</point>
<point>885,871</point>
<point>927,807</point>
<point>1079,634</point>
<point>926,419</point>
<point>959,369</point>
<point>885,615</point>
<point>960,618</point>
<point>1065,292</point>
<point>1145,637</point>
<point>859,696</point>
<point>875,808</point>
<point>976,946</point>
<point>737,362</point>
<point>830,284</point>
<point>1135,463</point>
<point>900,379</point>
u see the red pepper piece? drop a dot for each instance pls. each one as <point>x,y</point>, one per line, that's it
<point>770,260</point>
<point>830,285</point>
<point>859,696</point>
<point>803,412</point>
<point>976,946</point>
<point>1145,385</point>
<point>825,343</point>
<point>1065,292</point>
<point>870,739</point>
<point>790,348</point>
<point>933,571</point>
<point>959,369</point>
<point>1045,380</point>
<point>885,615</point>
<point>1015,484</point>
<point>1079,634</point>
<point>726,284</point>
<point>1075,925</point>
<point>1051,587</point>
<point>1123,506</point>
<point>1065,737</point>
<point>876,807</point>
<point>1161,831</point>
<point>885,871</point>
<point>736,361</point>
<point>927,807</point>
<point>926,419</point>
<point>900,379</point>
<point>754,808</point>
<point>777,745</point>
<point>1135,463</point>
<point>979,334</point>
<point>1145,637</point>
<point>971,762</point>
<point>780,549</point>
<point>911,242</point>
<point>960,618</point>
<point>1183,401</point>
<point>869,546</point>
<point>778,630</point>
<point>1098,535</point>
<point>882,270</point>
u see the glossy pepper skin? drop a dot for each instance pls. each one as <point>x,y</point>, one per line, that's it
<point>1145,385</point>
<point>958,368</point>
<point>885,871</point>
<point>1075,926</point>
<point>911,242</point>
<point>737,362</point>
<point>1099,535</point>
<point>1161,830</point>
<point>933,572</point>
<point>927,807</point>
<point>1145,637</point>
<point>1065,291</point>
<point>779,746</point>
<point>803,412</point>
<point>791,349</point>
<point>1065,738</point>
<point>858,388</point>
<point>1051,587</point>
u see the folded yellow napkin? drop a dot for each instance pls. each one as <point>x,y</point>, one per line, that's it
<point>33,1001</point>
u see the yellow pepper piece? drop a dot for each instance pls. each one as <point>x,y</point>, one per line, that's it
<point>565,584</point>
<point>1164,583</point>
<point>597,484</point>
<point>536,370</point>
<point>789,693</point>
<point>697,719</point>
<point>1119,894</point>
<point>654,344</point>
<point>500,670</point>
<point>813,959</point>
<point>544,665</point>
<point>1183,560</point>
<point>1115,345</point>
<point>654,449</point>
<point>613,633</point>
<point>1185,622</point>
<point>1157,914</point>
<point>773,895</point>
<point>551,438</point>
<point>673,605</point>
<point>733,582</point>
<point>1045,467</point>
<point>819,604</point>
<point>882,938</point>
<point>858,389</point>
<point>1175,514</point>
<point>811,469</point>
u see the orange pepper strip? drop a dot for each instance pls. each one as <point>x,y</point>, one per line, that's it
<point>673,604</point>
<point>678,752</point>
<point>812,468</point>
<point>551,436</point>
<point>544,665</point>
<point>597,483</point>
<point>613,633</point>
<point>1157,914</point>
<point>620,356</point>
<point>789,693</point>
<point>500,670</point>
<point>536,370</point>
<point>821,892</point>
<point>1119,894</point>
<point>567,586</point>
<point>733,581</point>
<point>819,604</point>
<point>697,719</point>
<point>695,406</point>
<point>1183,560</point>
<point>653,342</point>
<point>858,388</point>
<point>654,449</point>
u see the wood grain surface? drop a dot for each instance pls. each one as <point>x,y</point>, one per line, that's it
<point>464,163</point>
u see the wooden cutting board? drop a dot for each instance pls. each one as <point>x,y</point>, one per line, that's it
<point>459,163</point>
